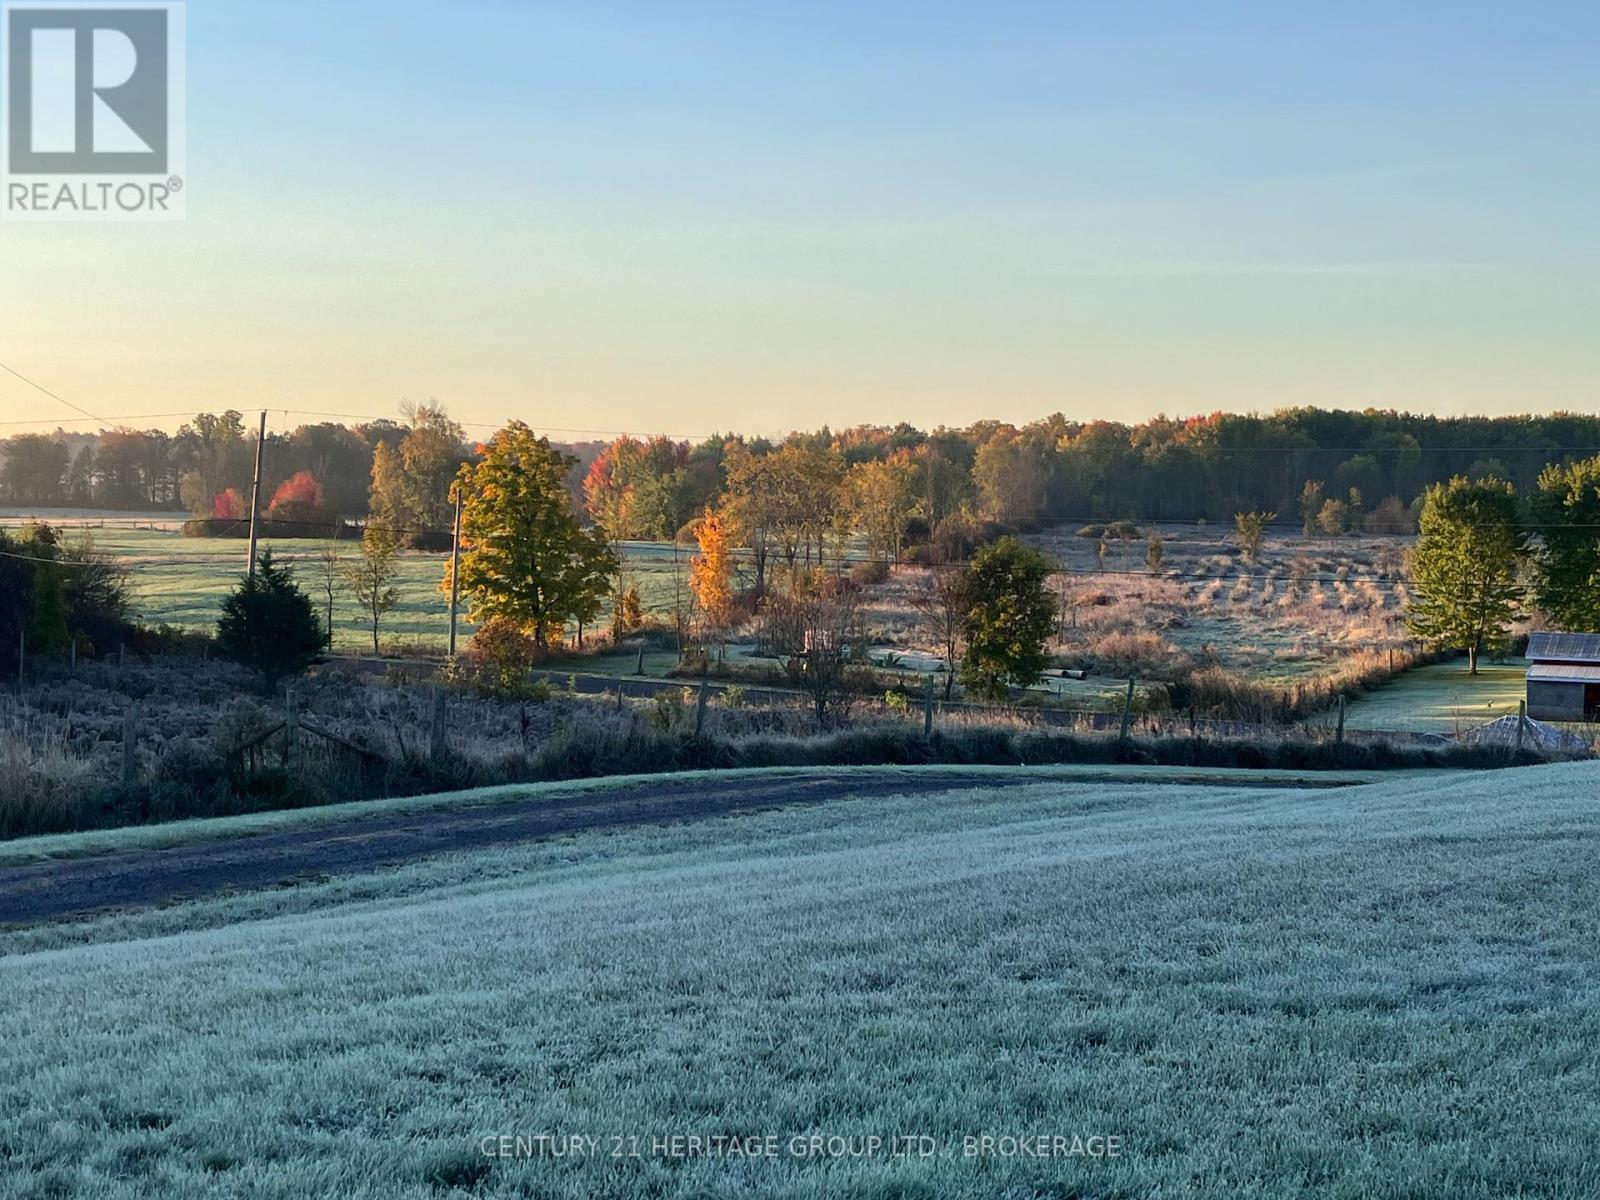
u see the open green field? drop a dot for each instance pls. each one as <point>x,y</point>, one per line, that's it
<point>183,581</point>
<point>1441,698</point>
<point>1387,991</point>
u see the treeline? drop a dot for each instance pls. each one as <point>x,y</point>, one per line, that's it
<point>1366,469</point>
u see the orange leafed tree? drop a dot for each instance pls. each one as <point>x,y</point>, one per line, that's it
<point>298,498</point>
<point>228,505</point>
<point>711,571</point>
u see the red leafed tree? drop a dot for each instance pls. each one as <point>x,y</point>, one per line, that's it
<point>228,505</point>
<point>298,498</point>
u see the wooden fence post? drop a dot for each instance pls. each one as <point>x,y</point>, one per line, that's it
<point>700,706</point>
<point>1522,721</point>
<point>129,766</point>
<point>1338,737</point>
<point>639,669</point>
<point>291,726</point>
<point>1127,713</point>
<point>436,731</point>
<point>927,709</point>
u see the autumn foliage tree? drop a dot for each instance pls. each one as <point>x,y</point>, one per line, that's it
<point>711,572</point>
<point>410,491</point>
<point>298,498</point>
<point>524,555</point>
<point>878,498</point>
<point>648,489</point>
<point>228,505</point>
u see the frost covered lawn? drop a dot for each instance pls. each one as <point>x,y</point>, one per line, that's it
<point>1385,991</point>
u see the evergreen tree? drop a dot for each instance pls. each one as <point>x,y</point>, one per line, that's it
<point>269,625</point>
<point>1465,566</point>
<point>1010,614</point>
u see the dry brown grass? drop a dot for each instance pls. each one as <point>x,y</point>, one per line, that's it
<point>44,786</point>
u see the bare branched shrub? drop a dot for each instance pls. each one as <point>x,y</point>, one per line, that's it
<point>831,642</point>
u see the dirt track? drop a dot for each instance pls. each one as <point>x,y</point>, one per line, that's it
<point>34,894</point>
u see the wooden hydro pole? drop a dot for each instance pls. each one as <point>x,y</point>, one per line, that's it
<point>455,571</point>
<point>255,496</point>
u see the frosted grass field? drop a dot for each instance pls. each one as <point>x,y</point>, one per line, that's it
<point>1378,992</point>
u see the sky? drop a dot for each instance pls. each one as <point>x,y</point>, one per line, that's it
<point>687,218</point>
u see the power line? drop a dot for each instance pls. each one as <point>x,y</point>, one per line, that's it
<point>41,388</point>
<point>54,562</point>
<point>113,420</point>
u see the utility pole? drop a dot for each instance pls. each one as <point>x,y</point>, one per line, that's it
<point>455,571</point>
<point>255,495</point>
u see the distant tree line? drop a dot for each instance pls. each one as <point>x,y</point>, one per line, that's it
<point>1331,471</point>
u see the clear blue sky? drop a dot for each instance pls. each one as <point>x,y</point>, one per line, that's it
<point>688,217</point>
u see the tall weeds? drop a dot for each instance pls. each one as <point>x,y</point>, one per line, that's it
<point>44,787</point>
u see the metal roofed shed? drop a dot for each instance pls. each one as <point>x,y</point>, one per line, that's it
<point>1564,676</point>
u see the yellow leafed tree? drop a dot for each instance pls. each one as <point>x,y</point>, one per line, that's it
<point>711,571</point>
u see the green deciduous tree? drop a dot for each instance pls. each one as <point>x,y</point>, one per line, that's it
<point>430,455</point>
<point>410,490</point>
<point>1566,575</point>
<point>525,557</point>
<point>371,575</point>
<point>1465,565</point>
<point>269,625</point>
<point>1009,617</point>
